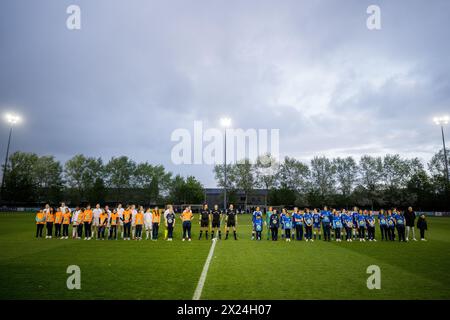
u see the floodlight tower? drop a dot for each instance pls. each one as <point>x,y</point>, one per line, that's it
<point>12,120</point>
<point>441,121</point>
<point>225,123</point>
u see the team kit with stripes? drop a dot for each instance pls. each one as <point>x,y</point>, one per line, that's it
<point>133,222</point>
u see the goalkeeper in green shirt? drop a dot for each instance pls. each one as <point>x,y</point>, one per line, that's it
<point>268,214</point>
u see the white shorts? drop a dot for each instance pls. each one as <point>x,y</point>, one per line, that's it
<point>148,226</point>
<point>95,223</point>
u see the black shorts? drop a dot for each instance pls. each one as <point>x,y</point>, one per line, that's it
<point>231,224</point>
<point>204,224</point>
<point>216,224</point>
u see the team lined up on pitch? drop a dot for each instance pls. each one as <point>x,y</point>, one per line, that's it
<point>131,222</point>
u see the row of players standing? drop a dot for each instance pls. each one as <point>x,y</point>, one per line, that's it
<point>102,223</point>
<point>132,221</point>
<point>357,224</point>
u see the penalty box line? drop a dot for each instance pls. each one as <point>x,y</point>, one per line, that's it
<point>201,281</point>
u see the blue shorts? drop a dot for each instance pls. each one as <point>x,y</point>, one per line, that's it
<point>316,225</point>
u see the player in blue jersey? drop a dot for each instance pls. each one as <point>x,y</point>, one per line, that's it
<point>391,225</point>
<point>355,222</point>
<point>256,213</point>
<point>258,226</point>
<point>308,221</point>
<point>348,224</point>
<point>370,219</point>
<point>400,225</point>
<point>282,213</point>
<point>297,218</point>
<point>325,216</point>
<point>293,226</point>
<point>316,224</point>
<point>361,220</point>
<point>287,224</point>
<point>274,224</point>
<point>382,221</point>
<point>337,226</point>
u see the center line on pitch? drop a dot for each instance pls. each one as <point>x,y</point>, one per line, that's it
<point>201,281</point>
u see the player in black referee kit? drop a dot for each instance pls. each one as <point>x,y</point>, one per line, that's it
<point>204,221</point>
<point>231,221</point>
<point>215,218</point>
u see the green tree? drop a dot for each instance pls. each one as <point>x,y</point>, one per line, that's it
<point>294,175</point>
<point>266,168</point>
<point>370,173</point>
<point>81,174</point>
<point>186,191</point>
<point>48,176</point>
<point>346,176</point>
<point>243,172</point>
<point>20,178</point>
<point>154,179</point>
<point>323,178</point>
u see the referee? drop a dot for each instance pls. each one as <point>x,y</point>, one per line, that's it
<point>204,221</point>
<point>231,222</point>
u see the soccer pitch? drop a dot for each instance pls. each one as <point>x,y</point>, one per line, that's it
<point>33,268</point>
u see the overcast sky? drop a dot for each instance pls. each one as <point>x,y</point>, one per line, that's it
<point>137,70</point>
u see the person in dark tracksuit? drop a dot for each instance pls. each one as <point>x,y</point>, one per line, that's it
<point>422,226</point>
<point>400,224</point>
<point>170,224</point>
<point>274,225</point>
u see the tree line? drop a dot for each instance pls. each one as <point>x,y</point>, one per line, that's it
<point>32,179</point>
<point>371,182</point>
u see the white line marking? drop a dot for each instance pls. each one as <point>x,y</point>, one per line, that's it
<point>201,281</point>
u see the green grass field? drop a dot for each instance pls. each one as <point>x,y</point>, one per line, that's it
<point>36,268</point>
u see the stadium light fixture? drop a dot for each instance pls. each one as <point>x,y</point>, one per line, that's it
<point>441,120</point>
<point>225,122</point>
<point>12,118</point>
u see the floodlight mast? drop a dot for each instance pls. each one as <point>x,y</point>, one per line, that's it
<point>225,123</point>
<point>12,120</point>
<point>441,121</point>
